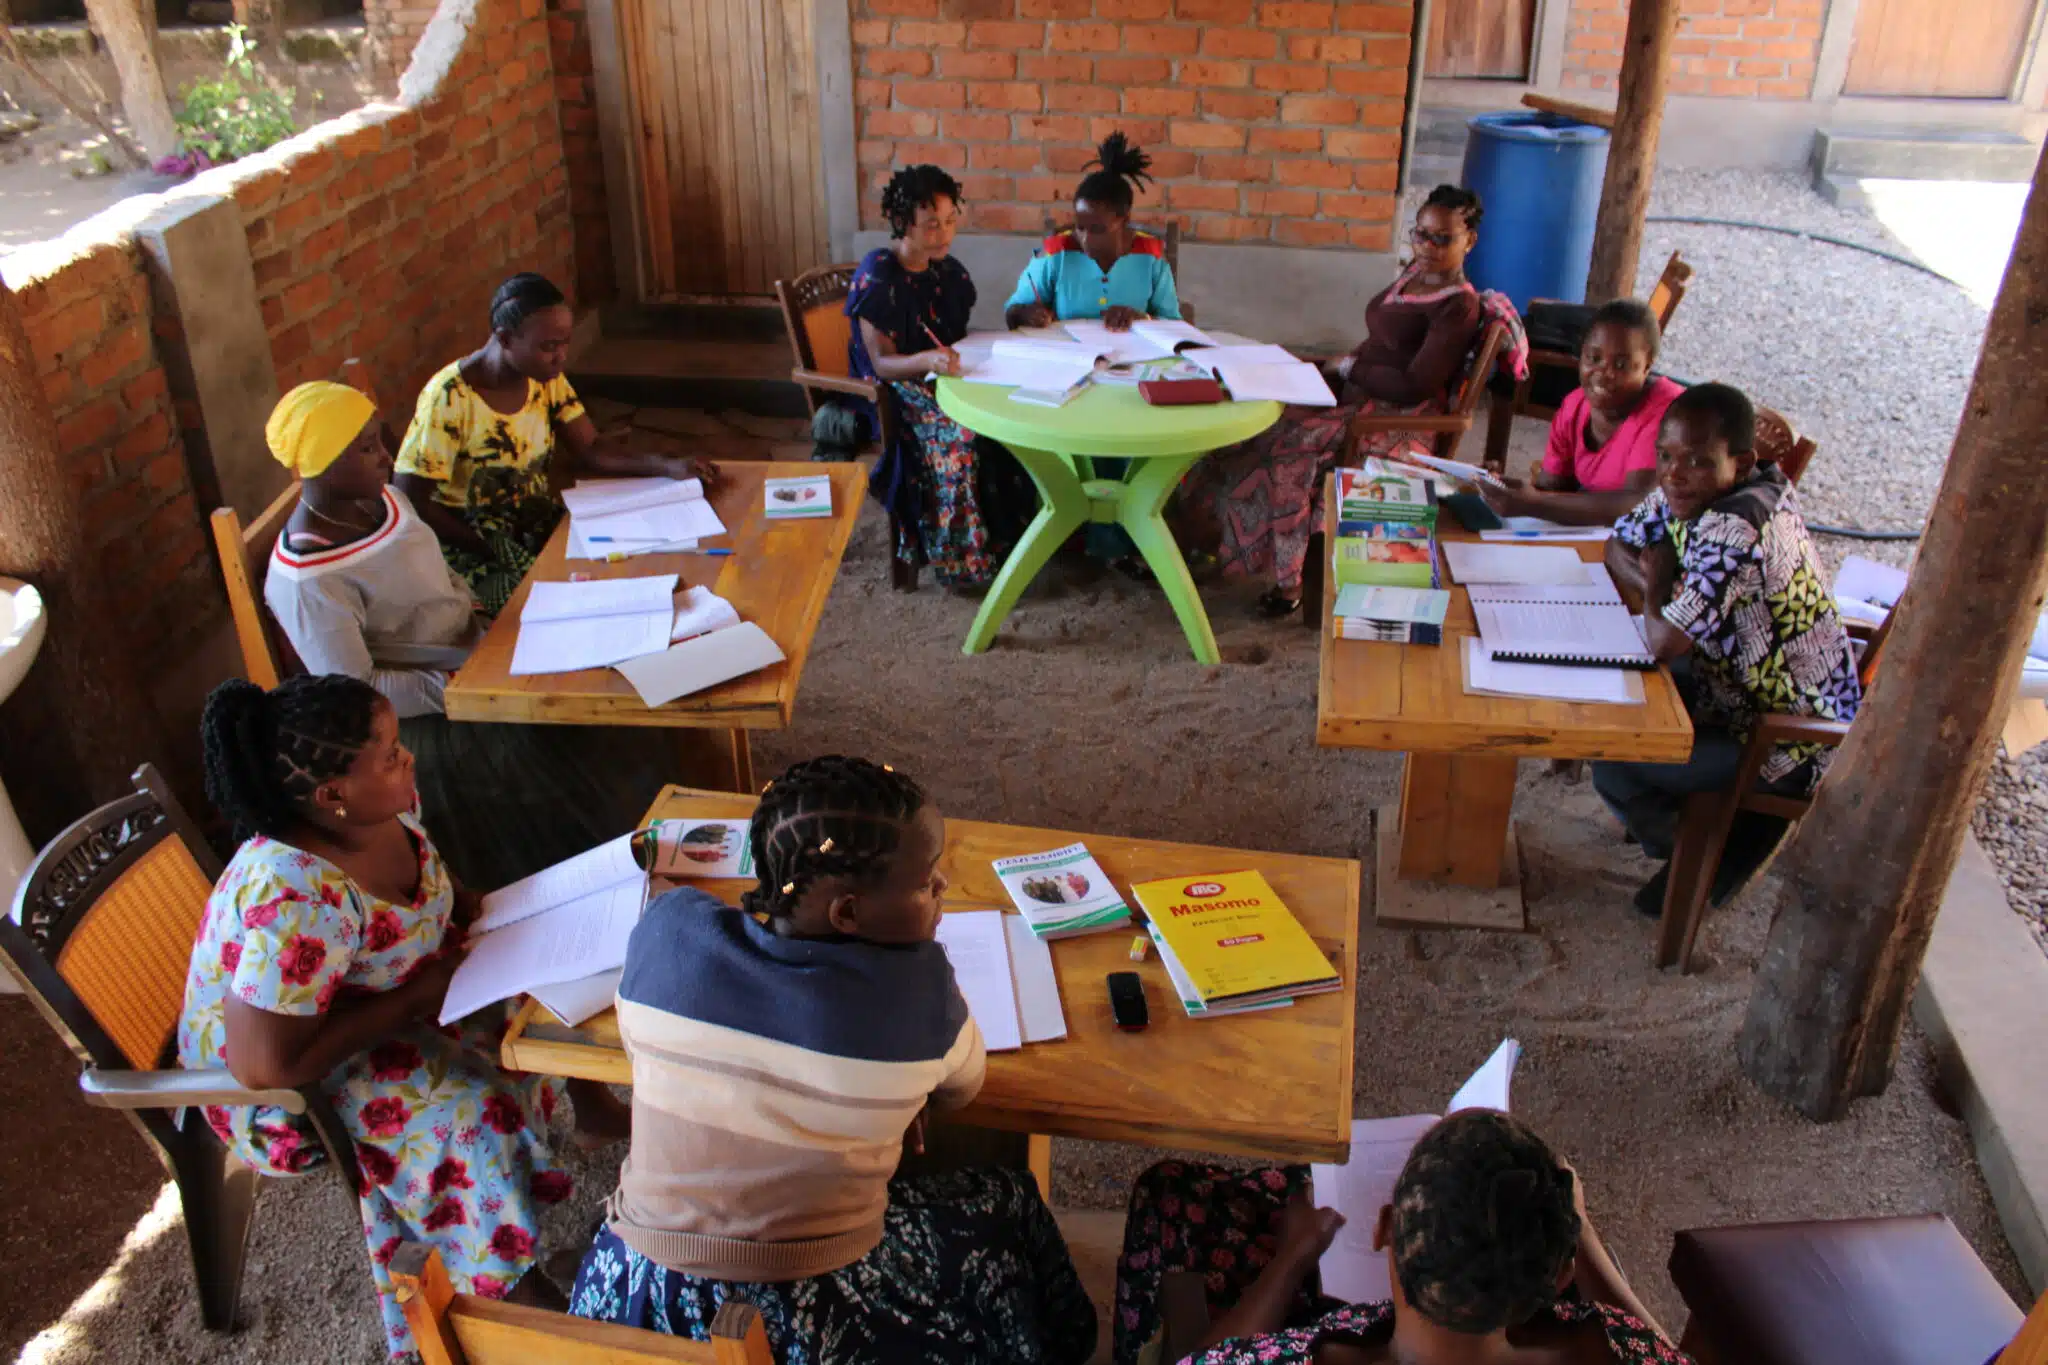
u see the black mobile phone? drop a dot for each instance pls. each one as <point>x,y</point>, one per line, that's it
<point>1127,1001</point>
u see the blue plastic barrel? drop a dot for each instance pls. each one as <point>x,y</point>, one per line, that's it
<point>1538,176</point>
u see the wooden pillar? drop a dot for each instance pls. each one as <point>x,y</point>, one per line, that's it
<point>128,27</point>
<point>1632,154</point>
<point>1864,878</point>
<point>80,722</point>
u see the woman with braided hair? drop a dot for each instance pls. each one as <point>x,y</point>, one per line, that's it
<point>960,502</point>
<point>322,958</point>
<point>784,1054</point>
<point>1102,267</point>
<point>1491,1260</point>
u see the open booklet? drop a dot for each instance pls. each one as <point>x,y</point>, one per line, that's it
<point>564,627</point>
<point>1005,973</point>
<point>630,515</point>
<point>1264,373</point>
<point>1145,339</point>
<point>1364,1184</point>
<point>1033,363</point>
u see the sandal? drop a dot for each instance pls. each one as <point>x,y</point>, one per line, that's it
<point>1274,604</point>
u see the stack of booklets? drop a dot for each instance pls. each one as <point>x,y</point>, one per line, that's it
<point>1062,892</point>
<point>1386,527</point>
<point>1230,944</point>
<point>1401,616</point>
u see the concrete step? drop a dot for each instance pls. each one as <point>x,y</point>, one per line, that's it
<point>1852,154</point>
<point>715,375</point>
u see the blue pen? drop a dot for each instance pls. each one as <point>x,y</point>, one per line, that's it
<point>606,540</point>
<point>705,552</point>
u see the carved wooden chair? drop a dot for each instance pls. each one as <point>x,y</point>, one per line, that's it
<point>462,1329</point>
<point>1446,429</point>
<point>1553,374</point>
<point>1777,443</point>
<point>814,314</point>
<point>100,939</point>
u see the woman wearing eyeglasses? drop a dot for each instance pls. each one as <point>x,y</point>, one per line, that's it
<point>1255,504</point>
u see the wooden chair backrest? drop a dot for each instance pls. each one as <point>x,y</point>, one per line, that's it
<point>1670,288</point>
<point>103,923</point>
<point>244,560</point>
<point>1777,443</point>
<point>1473,386</point>
<point>461,1329</point>
<point>814,312</point>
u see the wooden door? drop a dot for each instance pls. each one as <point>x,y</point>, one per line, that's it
<point>1959,49</point>
<point>1480,38</point>
<point>724,95</point>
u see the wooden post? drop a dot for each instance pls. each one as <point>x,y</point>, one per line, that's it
<point>80,722</point>
<point>1632,154</point>
<point>1864,878</point>
<point>129,30</point>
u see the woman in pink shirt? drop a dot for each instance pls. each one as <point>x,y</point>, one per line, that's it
<point>1602,458</point>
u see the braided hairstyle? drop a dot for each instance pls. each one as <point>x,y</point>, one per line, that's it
<point>826,817</point>
<point>1123,173</point>
<point>1460,201</point>
<point>1483,1223</point>
<point>520,297</point>
<point>1635,316</point>
<point>913,188</point>
<point>266,752</point>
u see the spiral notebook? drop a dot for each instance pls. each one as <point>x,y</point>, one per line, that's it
<point>1599,634</point>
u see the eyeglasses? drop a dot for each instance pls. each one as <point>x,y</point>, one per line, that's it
<point>1421,234</point>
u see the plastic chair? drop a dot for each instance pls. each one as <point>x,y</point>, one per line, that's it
<point>462,1329</point>
<point>100,939</point>
<point>814,314</point>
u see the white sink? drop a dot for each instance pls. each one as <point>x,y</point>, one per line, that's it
<point>21,635</point>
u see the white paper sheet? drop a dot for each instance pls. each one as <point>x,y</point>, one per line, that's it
<point>1259,353</point>
<point>1536,528</point>
<point>1457,469</point>
<point>578,548</point>
<point>601,497</point>
<point>702,848</point>
<point>662,676</point>
<point>1487,676</point>
<point>1038,988</point>
<point>1560,632</point>
<point>1171,333</point>
<point>1119,348</point>
<point>620,514</point>
<point>1598,588</point>
<point>595,869</point>
<point>978,947</point>
<point>1299,383</point>
<point>554,601</point>
<point>574,1001</point>
<point>567,646</point>
<point>1376,602</point>
<point>1881,585</point>
<point>1528,565</point>
<point>699,611</point>
<point>565,944</point>
<point>1031,372</point>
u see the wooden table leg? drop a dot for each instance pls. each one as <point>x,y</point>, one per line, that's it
<point>1039,1157</point>
<point>1447,855</point>
<point>742,763</point>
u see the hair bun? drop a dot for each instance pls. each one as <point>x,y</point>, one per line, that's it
<point>1118,155</point>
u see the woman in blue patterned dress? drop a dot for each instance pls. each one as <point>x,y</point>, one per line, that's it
<point>322,958</point>
<point>961,502</point>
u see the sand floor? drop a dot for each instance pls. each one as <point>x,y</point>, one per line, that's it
<point>1090,715</point>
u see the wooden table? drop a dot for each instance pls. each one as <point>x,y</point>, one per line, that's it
<point>1447,855</point>
<point>778,576</point>
<point>1275,1084</point>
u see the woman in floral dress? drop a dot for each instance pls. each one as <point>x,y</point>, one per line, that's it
<point>1490,1253</point>
<point>322,958</point>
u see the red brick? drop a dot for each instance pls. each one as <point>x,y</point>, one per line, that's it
<point>905,9</point>
<point>322,247</point>
<point>1027,218</point>
<point>977,127</point>
<point>1362,146</point>
<point>1239,104</point>
<point>163,473</point>
<point>1164,103</point>
<point>1364,208</point>
<point>1240,170</point>
<point>1281,203</point>
<point>986,189</point>
<point>296,213</point>
<point>303,298</point>
<point>1369,18</point>
<point>1081,99</point>
<point>1171,41</point>
<point>896,61</point>
<point>931,94</point>
<point>1055,66</point>
<point>1317,109</point>
<point>1247,43</point>
<point>1224,136</point>
<point>1309,232</point>
<point>1218,198</point>
<point>1006,156</point>
<point>1056,9</point>
<point>1372,236</point>
<point>898,123</point>
<point>1041,189</point>
<point>1327,175</point>
<point>1305,48</point>
<point>1146,132</point>
<point>113,357</point>
<point>145,390</point>
<point>870,32</point>
<point>1214,73</point>
<point>1769,70</point>
<point>871,94</point>
<point>1084,37</point>
<point>1212,228</point>
<point>1016,95</point>
<point>981,66</point>
<point>1312,16</point>
<point>1077,159</point>
<point>912,34</point>
<point>1379,113</point>
<point>1391,80</point>
<point>997,33</point>
<point>1133,9</point>
<point>271,269</point>
<point>1129,71</point>
<point>89,426</point>
<point>950,155</point>
<point>1170,163</point>
<point>1377,175</point>
<point>1051,128</point>
<point>1286,139</point>
<point>1213,11</point>
<point>1294,76</point>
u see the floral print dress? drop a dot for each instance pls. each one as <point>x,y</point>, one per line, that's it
<point>492,468</point>
<point>449,1147</point>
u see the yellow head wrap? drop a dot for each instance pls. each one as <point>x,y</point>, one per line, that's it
<point>314,423</point>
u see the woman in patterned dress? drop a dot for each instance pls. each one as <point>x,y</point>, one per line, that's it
<point>1490,1255</point>
<point>322,959</point>
<point>477,458</point>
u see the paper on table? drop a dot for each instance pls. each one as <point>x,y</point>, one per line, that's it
<point>1560,632</point>
<point>662,676</point>
<point>699,611</point>
<point>1299,383</point>
<point>554,601</point>
<point>576,940</point>
<point>1487,676</point>
<point>809,495</point>
<point>601,497</point>
<point>579,548</point>
<point>1457,469</point>
<point>1374,602</point>
<point>1259,353</point>
<point>1031,372</point>
<point>1172,333</point>
<point>1038,988</point>
<point>595,869</point>
<point>1597,589</point>
<point>1119,348</point>
<point>1880,585</point>
<point>1530,565</point>
<point>978,947</point>
<point>1536,528</point>
<point>1487,1088</point>
<point>574,1001</point>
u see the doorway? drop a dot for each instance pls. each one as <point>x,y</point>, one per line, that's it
<point>1488,39</point>
<point>1953,49</point>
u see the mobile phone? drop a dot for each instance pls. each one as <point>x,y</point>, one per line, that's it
<point>1127,1001</point>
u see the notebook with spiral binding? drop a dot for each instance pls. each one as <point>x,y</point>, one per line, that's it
<point>1590,634</point>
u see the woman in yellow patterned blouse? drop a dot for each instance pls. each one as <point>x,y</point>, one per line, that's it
<point>483,438</point>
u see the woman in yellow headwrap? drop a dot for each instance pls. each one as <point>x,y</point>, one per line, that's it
<point>359,584</point>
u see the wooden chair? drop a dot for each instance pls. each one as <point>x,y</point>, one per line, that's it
<point>100,939</point>
<point>814,314</point>
<point>1777,443</point>
<point>1447,429</point>
<point>244,553</point>
<point>1704,824</point>
<point>462,1329</point>
<point>1525,398</point>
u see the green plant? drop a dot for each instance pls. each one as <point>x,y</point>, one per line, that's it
<point>238,114</point>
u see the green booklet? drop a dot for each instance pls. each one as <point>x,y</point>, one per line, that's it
<point>1385,492</point>
<point>790,499</point>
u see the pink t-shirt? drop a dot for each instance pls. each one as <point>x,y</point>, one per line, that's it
<point>1632,447</point>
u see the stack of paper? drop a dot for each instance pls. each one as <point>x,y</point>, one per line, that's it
<point>562,924</point>
<point>1392,615</point>
<point>1062,892</point>
<point>1006,976</point>
<point>1490,677</point>
<point>1364,1184</point>
<point>638,516</point>
<point>1145,339</point>
<point>699,611</point>
<point>567,626</point>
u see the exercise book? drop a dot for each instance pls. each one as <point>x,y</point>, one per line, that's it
<point>1532,566</point>
<point>1595,589</point>
<point>1006,976</point>
<point>1571,633</point>
<point>569,626</point>
<point>619,514</point>
<point>1489,677</point>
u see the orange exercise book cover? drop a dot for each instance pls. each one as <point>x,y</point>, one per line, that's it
<point>1235,938</point>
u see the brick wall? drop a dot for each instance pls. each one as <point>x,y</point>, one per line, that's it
<point>1267,122</point>
<point>391,29</point>
<point>1751,49</point>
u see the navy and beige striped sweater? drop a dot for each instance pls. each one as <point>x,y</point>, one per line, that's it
<point>773,1079</point>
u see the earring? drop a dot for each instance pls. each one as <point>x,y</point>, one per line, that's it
<point>341,812</point>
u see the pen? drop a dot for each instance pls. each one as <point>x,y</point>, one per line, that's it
<point>704,552</point>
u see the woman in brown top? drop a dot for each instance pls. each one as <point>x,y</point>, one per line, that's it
<point>1257,502</point>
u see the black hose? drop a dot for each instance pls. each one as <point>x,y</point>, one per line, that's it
<point>1858,533</point>
<point>1803,234</point>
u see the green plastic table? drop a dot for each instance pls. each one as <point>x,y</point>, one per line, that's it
<point>1057,447</point>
